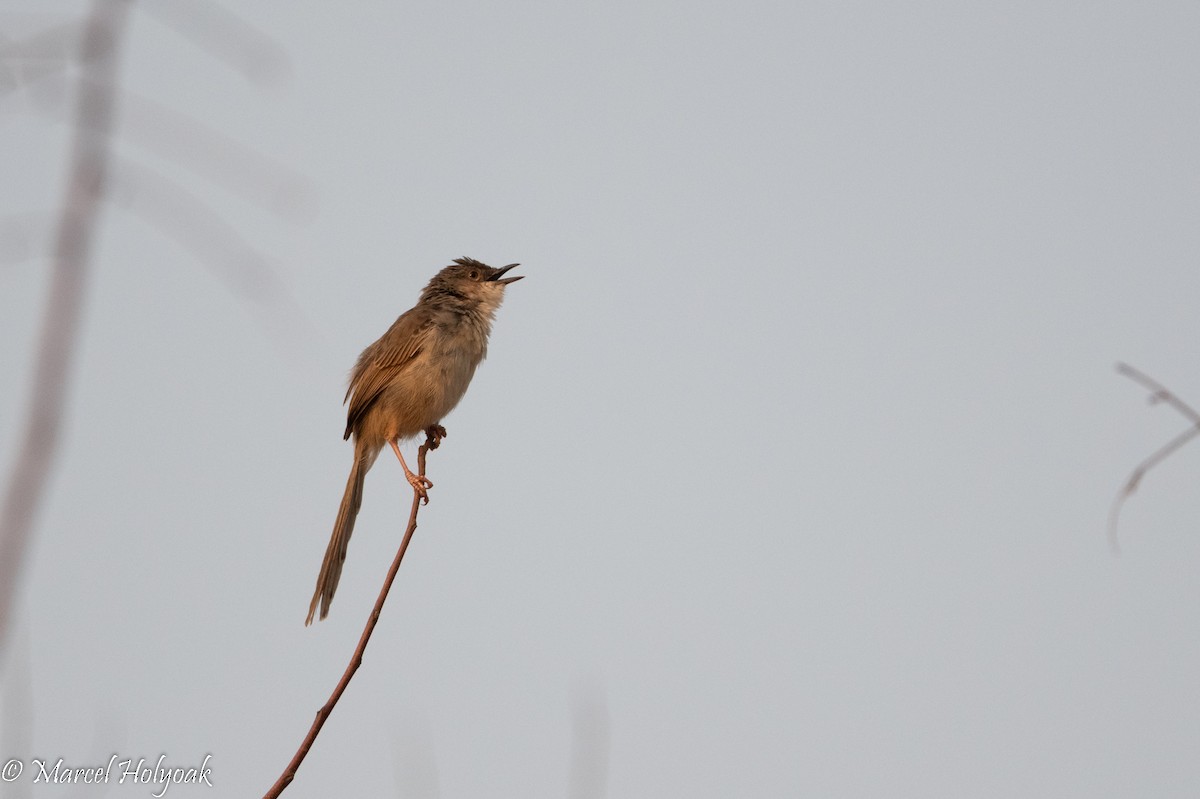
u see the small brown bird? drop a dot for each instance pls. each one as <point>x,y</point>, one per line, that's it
<point>407,381</point>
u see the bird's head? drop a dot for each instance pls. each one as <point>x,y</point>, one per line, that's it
<point>470,281</point>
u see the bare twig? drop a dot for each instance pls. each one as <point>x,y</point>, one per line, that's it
<point>289,773</point>
<point>1159,393</point>
<point>86,186</point>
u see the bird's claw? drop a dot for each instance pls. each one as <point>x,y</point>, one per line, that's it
<point>421,486</point>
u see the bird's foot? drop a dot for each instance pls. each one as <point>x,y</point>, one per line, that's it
<point>420,485</point>
<point>434,435</point>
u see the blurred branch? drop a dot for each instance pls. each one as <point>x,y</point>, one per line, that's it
<point>41,62</point>
<point>86,184</point>
<point>246,272</point>
<point>1159,393</point>
<point>208,154</point>
<point>48,50</point>
<point>180,215</point>
<point>289,773</point>
<point>224,36</point>
<point>589,743</point>
<point>414,759</point>
<point>216,157</point>
<point>59,43</point>
<point>24,62</point>
<point>16,699</point>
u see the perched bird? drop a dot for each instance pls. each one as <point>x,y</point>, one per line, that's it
<point>407,381</point>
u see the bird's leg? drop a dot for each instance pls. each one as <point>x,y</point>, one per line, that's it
<point>419,482</point>
<point>434,435</point>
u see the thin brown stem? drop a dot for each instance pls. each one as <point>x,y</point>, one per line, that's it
<point>1159,393</point>
<point>289,773</point>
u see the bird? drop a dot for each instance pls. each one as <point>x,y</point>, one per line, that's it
<point>407,382</point>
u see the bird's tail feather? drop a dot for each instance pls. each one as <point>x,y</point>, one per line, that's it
<point>335,553</point>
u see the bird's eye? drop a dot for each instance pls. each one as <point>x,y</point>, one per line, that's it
<point>474,274</point>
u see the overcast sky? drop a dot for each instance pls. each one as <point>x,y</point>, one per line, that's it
<point>789,469</point>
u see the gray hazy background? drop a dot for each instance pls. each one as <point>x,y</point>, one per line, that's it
<point>789,469</point>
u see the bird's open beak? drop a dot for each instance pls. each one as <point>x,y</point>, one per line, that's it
<point>499,273</point>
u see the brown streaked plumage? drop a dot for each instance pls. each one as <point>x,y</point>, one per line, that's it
<point>406,382</point>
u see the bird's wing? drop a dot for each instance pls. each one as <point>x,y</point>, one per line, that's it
<point>384,360</point>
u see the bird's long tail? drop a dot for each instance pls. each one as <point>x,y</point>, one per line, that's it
<point>335,553</point>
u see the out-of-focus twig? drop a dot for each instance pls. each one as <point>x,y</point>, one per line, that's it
<point>40,63</point>
<point>589,743</point>
<point>174,211</point>
<point>289,773</point>
<point>224,36</point>
<point>86,184</point>
<point>207,153</point>
<point>246,272</point>
<point>1158,393</point>
<point>58,43</point>
<point>414,763</point>
<point>218,158</point>
<point>16,698</point>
